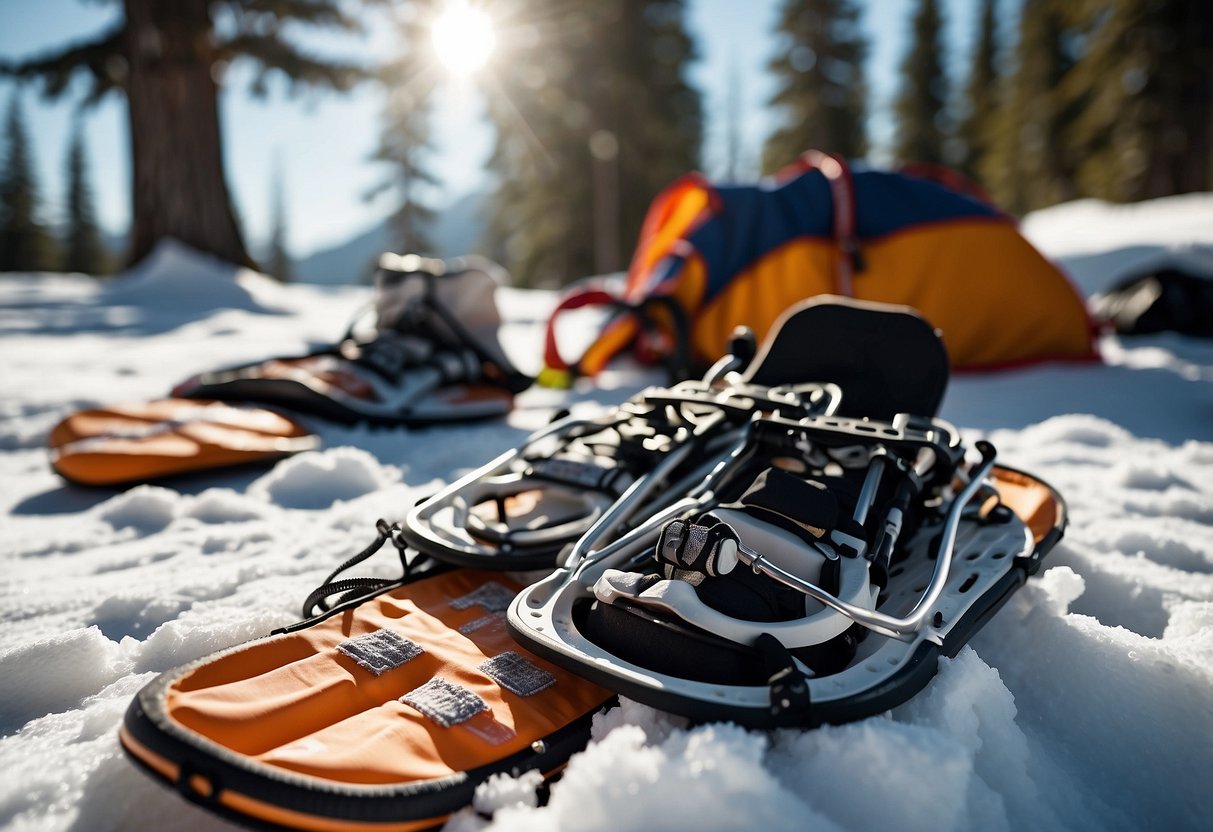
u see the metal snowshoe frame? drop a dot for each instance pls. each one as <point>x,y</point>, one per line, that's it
<point>704,421</point>
<point>699,423</point>
<point>937,441</point>
<point>925,611</point>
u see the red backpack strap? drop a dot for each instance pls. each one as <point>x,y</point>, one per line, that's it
<point>556,371</point>
<point>675,212</point>
<point>634,325</point>
<point>838,176</point>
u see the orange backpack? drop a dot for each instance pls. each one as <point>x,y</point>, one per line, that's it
<point>714,257</point>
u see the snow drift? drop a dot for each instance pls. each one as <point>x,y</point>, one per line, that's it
<point>1086,703</point>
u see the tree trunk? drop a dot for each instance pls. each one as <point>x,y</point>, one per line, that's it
<point>177,163</point>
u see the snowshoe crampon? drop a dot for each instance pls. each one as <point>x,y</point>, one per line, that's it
<point>528,506</point>
<point>433,355</point>
<point>815,577</point>
<point>384,713</point>
<point>133,443</point>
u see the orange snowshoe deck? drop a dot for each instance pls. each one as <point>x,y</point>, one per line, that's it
<point>384,714</point>
<point>133,443</point>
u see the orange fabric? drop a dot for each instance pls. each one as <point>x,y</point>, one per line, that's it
<point>672,215</point>
<point>122,417</point>
<point>326,371</point>
<point>759,295</point>
<point>614,337</point>
<point>691,286</point>
<point>688,291</point>
<point>1030,499</point>
<point>299,820</point>
<point>586,297</point>
<point>1015,309</point>
<point>138,442</point>
<point>293,702</point>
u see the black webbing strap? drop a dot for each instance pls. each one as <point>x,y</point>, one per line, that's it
<point>317,601</point>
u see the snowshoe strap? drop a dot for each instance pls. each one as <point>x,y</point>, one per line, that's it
<point>578,474</point>
<point>707,548</point>
<point>710,545</point>
<point>806,508</point>
<point>391,353</point>
<point>350,588</point>
<point>640,434</point>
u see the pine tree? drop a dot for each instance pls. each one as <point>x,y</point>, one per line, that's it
<point>594,118</point>
<point>821,92</point>
<point>82,247</point>
<point>165,57</point>
<point>921,101</point>
<point>1143,92</point>
<point>1031,163</point>
<point>278,262</point>
<point>404,139</point>
<point>25,244</point>
<point>977,129</point>
<point>734,116</point>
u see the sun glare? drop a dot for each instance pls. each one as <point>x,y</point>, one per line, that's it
<point>463,38</point>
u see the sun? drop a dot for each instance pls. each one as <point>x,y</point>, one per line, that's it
<point>463,38</point>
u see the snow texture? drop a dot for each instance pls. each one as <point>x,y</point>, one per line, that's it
<point>1085,704</point>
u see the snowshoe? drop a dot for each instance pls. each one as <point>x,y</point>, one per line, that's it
<point>433,357</point>
<point>388,709</point>
<point>529,506</point>
<point>815,578</point>
<point>132,443</point>
<point>384,712</point>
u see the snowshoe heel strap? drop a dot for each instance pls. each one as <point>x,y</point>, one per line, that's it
<point>708,548</point>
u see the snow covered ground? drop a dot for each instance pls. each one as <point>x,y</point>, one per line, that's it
<point>1087,703</point>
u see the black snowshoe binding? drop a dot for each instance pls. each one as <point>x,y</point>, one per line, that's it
<point>528,506</point>
<point>814,576</point>
<point>524,508</point>
<point>431,356</point>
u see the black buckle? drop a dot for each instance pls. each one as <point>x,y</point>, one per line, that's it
<point>789,687</point>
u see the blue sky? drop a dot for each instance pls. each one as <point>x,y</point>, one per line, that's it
<point>322,141</point>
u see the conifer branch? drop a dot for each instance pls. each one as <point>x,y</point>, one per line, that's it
<point>272,53</point>
<point>102,59</point>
